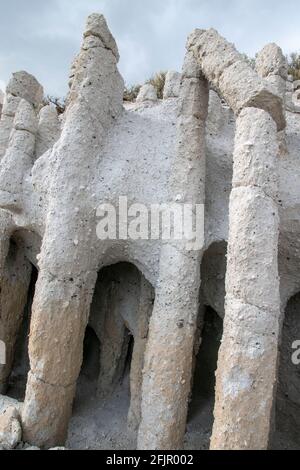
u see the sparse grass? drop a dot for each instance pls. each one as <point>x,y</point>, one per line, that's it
<point>59,103</point>
<point>249,60</point>
<point>293,61</point>
<point>130,93</point>
<point>294,65</point>
<point>158,81</point>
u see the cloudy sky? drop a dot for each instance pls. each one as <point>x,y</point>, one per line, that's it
<point>42,36</point>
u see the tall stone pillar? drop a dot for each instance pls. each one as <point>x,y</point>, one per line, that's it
<point>21,85</point>
<point>18,159</point>
<point>14,283</point>
<point>226,69</point>
<point>246,372</point>
<point>271,65</point>
<point>15,269</point>
<point>59,317</point>
<point>169,351</point>
<point>138,353</point>
<point>68,263</point>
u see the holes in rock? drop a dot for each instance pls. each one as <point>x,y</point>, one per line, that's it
<point>210,330</point>
<point>213,271</point>
<point>128,358</point>
<point>91,355</point>
<point>89,374</point>
<point>287,409</point>
<point>119,315</point>
<point>18,377</point>
<point>200,416</point>
<point>12,252</point>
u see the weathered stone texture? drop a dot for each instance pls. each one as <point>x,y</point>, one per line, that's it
<point>10,429</point>
<point>227,70</point>
<point>56,170</point>
<point>48,131</point>
<point>172,85</point>
<point>246,374</point>
<point>147,93</point>
<point>166,383</point>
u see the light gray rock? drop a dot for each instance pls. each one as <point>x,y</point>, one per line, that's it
<point>173,321</point>
<point>296,98</point>
<point>54,173</point>
<point>271,64</point>
<point>10,429</point>
<point>49,129</point>
<point>24,85</point>
<point>271,61</point>
<point>96,26</point>
<point>147,93</point>
<point>248,352</point>
<point>7,402</point>
<point>172,85</point>
<point>58,448</point>
<point>19,155</point>
<point>296,85</point>
<point>227,70</point>
<point>1,101</point>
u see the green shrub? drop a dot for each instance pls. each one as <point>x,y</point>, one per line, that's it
<point>130,93</point>
<point>158,81</point>
<point>59,103</point>
<point>294,65</point>
<point>249,60</point>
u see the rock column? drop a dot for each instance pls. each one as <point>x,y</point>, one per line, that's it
<point>68,262</point>
<point>138,354</point>
<point>238,83</point>
<point>14,283</point>
<point>169,351</point>
<point>14,268</point>
<point>246,372</point>
<point>21,85</point>
<point>19,157</point>
<point>271,65</point>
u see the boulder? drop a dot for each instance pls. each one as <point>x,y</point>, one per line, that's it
<point>172,85</point>
<point>147,93</point>
<point>10,428</point>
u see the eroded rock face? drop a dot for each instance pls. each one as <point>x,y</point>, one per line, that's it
<point>49,129</point>
<point>271,64</point>
<point>271,61</point>
<point>54,173</point>
<point>7,402</point>
<point>1,100</point>
<point>21,86</point>
<point>238,83</point>
<point>172,85</point>
<point>147,93</point>
<point>24,85</point>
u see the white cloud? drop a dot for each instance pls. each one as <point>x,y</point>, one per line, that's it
<point>43,37</point>
<point>2,85</point>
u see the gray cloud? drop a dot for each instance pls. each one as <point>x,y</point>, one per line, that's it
<point>43,36</point>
